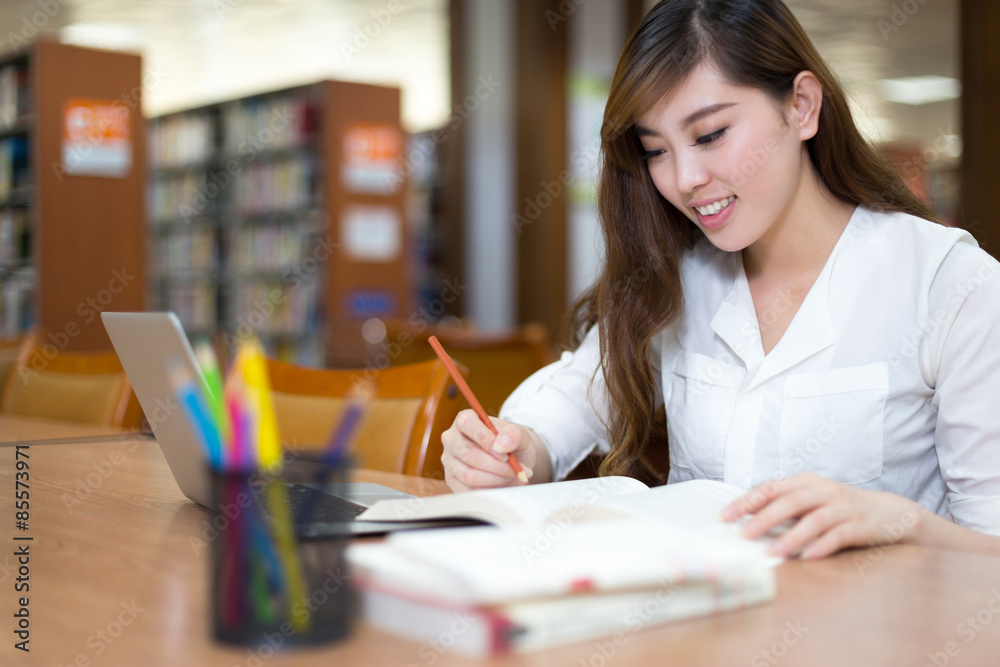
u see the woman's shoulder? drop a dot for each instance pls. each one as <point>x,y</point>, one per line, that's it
<point>944,256</point>
<point>907,231</point>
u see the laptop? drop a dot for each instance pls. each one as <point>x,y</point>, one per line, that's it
<point>145,343</point>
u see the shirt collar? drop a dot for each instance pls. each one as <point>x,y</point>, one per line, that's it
<point>810,331</point>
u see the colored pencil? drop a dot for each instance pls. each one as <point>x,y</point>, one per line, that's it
<point>471,398</point>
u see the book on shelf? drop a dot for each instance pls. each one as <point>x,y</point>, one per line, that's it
<point>562,562</point>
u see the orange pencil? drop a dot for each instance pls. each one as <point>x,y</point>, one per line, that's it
<point>471,398</point>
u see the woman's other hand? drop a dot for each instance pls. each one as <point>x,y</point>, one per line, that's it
<point>830,516</point>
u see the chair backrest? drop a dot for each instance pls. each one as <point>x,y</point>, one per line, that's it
<point>411,406</point>
<point>498,361</point>
<point>87,387</point>
<point>10,350</point>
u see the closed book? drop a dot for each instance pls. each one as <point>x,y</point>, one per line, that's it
<point>444,625</point>
<point>504,589</point>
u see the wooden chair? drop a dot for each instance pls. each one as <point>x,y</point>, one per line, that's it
<point>87,387</point>
<point>401,431</point>
<point>10,350</point>
<point>498,361</point>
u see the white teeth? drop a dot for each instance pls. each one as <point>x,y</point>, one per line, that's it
<point>712,209</point>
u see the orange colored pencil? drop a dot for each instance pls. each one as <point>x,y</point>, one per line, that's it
<point>471,398</point>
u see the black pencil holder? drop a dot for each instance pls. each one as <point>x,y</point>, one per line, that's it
<point>271,587</point>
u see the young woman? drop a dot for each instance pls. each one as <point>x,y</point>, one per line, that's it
<point>811,332</point>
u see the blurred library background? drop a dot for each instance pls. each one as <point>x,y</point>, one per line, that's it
<point>334,175</point>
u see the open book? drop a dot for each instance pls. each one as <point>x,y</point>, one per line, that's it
<point>686,504</point>
<point>563,562</point>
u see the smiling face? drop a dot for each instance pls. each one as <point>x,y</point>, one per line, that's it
<point>710,143</point>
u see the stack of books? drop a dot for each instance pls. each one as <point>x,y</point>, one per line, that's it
<point>561,563</point>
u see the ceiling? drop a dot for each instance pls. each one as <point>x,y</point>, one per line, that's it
<point>868,40</point>
<point>208,50</point>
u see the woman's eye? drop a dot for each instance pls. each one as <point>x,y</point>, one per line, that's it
<point>653,154</point>
<point>710,139</point>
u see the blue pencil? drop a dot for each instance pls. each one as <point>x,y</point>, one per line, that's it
<point>196,407</point>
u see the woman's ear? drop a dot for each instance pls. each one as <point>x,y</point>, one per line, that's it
<point>807,101</point>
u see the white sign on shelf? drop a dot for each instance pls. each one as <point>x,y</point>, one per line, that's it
<point>371,233</point>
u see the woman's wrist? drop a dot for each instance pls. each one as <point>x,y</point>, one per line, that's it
<point>542,472</point>
<point>936,532</point>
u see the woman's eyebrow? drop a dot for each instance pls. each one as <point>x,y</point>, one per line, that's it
<point>705,111</point>
<point>643,131</point>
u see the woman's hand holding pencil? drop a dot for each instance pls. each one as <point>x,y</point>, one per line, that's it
<point>482,451</point>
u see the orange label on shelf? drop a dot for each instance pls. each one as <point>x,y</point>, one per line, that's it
<point>365,143</point>
<point>95,120</point>
<point>371,158</point>
<point>96,138</point>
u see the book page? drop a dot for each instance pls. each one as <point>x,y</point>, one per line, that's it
<point>511,506</point>
<point>692,504</point>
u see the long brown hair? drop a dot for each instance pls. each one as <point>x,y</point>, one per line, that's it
<point>755,43</point>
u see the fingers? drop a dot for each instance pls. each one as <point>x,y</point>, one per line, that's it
<point>840,536</point>
<point>475,458</point>
<point>462,477</point>
<point>815,525</point>
<point>792,504</point>
<point>761,495</point>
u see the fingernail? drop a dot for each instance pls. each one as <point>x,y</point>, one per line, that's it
<point>777,549</point>
<point>502,444</point>
<point>528,471</point>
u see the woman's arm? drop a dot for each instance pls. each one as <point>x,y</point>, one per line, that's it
<point>549,423</point>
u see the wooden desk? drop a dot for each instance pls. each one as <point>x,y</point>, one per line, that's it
<point>113,540</point>
<point>15,429</point>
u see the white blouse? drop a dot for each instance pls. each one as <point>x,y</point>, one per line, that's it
<point>887,378</point>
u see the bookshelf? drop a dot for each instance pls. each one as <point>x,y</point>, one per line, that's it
<point>71,191</point>
<point>425,216</point>
<point>281,214</point>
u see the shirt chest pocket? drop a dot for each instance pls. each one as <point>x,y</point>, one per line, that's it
<point>699,409</point>
<point>832,423</point>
